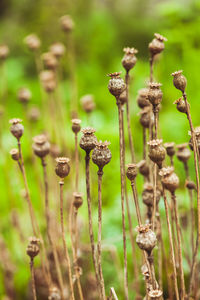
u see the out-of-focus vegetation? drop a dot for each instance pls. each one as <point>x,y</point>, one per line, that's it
<point>102,30</point>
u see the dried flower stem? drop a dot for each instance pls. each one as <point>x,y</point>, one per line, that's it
<point>61,183</point>
<point>33,278</point>
<point>178,231</point>
<point>135,197</point>
<point>87,169</point>
<point>144,143</point>
<point>154,195</point>
<point>76,161</point>
<point>151,61</point>
<point>113,294</point>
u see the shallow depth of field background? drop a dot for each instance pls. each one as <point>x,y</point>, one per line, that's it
<point>103,29</point>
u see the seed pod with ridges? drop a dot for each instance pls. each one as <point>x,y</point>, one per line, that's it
<point>169,179</point>
<point>145,117</point>
<point>54,293</point>
<point>33,248</point>
<point>131,171</point>
<point>190,185</point>
<point>62,167</point>
<point>17,129</point>
<point>14,154</point>
<point>76,127</point>
<point>57,49</point>
<point>78,200</point>
<point>34,114</point>
<point>88,139</point>
<point>67,24</point>
<point>50,61</point>
<point>24,95</point>
<point>179,81</point>
<point>87,102</point>
<point>129,60</point>
<point>147,194</point>
<point>4,52</point>
<point>170,148</point>
<point>116,84</point>
<point>156,152</point>
<point>32,41</point>
<point>146,238</point>
<point>180,105</point>
<point>142,99</point>
<point>183,153</point>
<point>155,94</point>
<point>143,168</point>
<point>41,146</point>
<point>101,155</point>
<point>155,294</point>
<point>157,44</point>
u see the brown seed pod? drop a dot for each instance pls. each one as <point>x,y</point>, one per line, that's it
<point>116,84</point>
<point>129,60</point>
<point>183,153</point>
<point>155,94</point>
<point>67,24</point>
<point>62,167</point>
<point>54,293</point>
<point>57,49</point>
<point>41,146</point>
<point>123,97</point>
<point>87,102</point>
<point>24,95</point>
<point>50,61</point>
<point>169,179</point>
<point>157,44</point>
<point>14,154</point>
<point>131,171</point>
<point>180,105</point>
<point>143,168</point>
<point>142,99</point>
<point>147,194</point>
<point>4,52</point>
<point>33,248</point>
<point>170,148</point>
<point>76,127</point>
<point>190,185</point>
<point>17,129</point>
<point>101,155</point>
<point>78,200</point>
<point>156,152</point>
<point>179,81</point>
<point>155,294</point>
<point>32,41</point>
<point>146,238</point>
<point>145,117</point>
<point>88,139</point>
<point>34,114</point>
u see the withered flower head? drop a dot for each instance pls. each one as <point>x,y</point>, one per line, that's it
<point>76,127</point>
<point>179,81</point>
<point>24,95</point>
<point>14,154</point>
<point>88,139</point>
<point>32,41</point>
<point>180,105</point>
<point>33,248</point>
<point>87,102</point>
<point>57,49</point>
<point>78,200</point>
<point>17,129</point>
<point>41,146</point>
<point>183,153</point>
<point>155,294</point>
<point>131,171</point>
<point>155,94</point>
<point>129,60</point>
<point>34,114</point>
<point>157,44</point>
<point>62,167</point>
<point>156,152</point>
<point>50,60</point>
<point>170,148</point>
<point>116,84</point>
<point>142,99</point>
<point>170,180</point>
<point>143,168</point>
<point>4,51</point>
<point>101,155</point>
<point>67,24</point>
<point>146,238</point>
<point>54,293</point>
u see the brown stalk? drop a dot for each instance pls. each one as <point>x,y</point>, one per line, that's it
<point>144,143</point>
<point>76,161</point>
<point>61,183</point>
<point>33,278</point>
<point>48,221</point>
<point>178,231</point>
<point>151,61</point>
<point>113,294</point>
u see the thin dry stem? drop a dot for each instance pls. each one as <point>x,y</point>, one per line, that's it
<point>76,161</point>
<point>144,143</point>
<point>33,279</point>
<point>113,294</point>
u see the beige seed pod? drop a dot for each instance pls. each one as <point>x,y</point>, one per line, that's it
<point>33,248</point>
<point>169,179</point>
<point>67,24</point>
<point>157,44</point>
<point>14,154</point>
<point>62,167</point>
<point>17,129</point>
<point>129,60</point>
<point>88,139</point>
<point>116,84</point>
<point>101,154</point>
<point>156,152</point>
<point>41,146</point>
<point>78,200</point>
<point>87,102</point>
<point>179,81</point>
<point>32,41</point>
<point>146,238</point>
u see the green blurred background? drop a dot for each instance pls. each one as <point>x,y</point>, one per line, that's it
<point>102,30</point>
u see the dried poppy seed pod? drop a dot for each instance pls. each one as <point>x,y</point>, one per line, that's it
<point>101,155</point>
<point>143,168</point>
<point>33,248</point>
<point>179,81</point>
<point>62,167</point>
<point>155,294</point>
<point>131,171</point>
<point>78,200</point>
<point>156,152</point>
<point>190,185</point>
<point>183,153</point>
<point>147,194</point>
<point>4,52</point>
<point>170,180</point>
<point>33,42</point>
<point>88,139</point>
<point>34,114</point>
<point>116,84</point>
<point>55,150</point>
<point>24,95</point>
<point>129,60</point>
<point>180,105</point>
<point>145,117</point>
<point>67,24</point>
<point>123,97</point>
<point>87,102</point>
<point>50,61</point>
<point>17,129</point>
<point>170,148</point>
<point>142,99</point>
<point>155,94</point>
<point>57,49</point>
<point>76,127</point>
<point>41,146</point>
<point>146,238</point>
<point>157,44</point>
<point>14,154</point>
<point>54,293</point>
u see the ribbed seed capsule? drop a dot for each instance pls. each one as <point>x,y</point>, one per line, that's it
<point>143,168</point>
<point>146,238</point>
<point>157,44</point>
<point>170,148</point>
<point>76,127</point>
<point>33,248</point>
<point>156,152</point>
<point>147,194</point>
<point>88,139</point>
<point>78,200</point>
<point>50,61</point>
<point>129,60</point>
<point>116,84</point>
<point>142,99</point>
<point>155,94</point>
<point>183,153</point>
<point>179,81</point>
<point>180,105</point>
<point>101,155</point>
<point>62,167</point>
<point>131,171</point>
<point>17,129</point>
<point>169,179</point>
<point>41,146</point>
<point>145,117</point>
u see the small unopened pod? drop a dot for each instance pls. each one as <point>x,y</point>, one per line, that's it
<point>179,80</point>
<point>146,116</point>
<point>170,149</point>
<point>17,129</point>
<point>143,168</point>
<point>169,179</point>
<point>33,248</point>
<point>76,125</point>
<point>146,238</point>
<point>156,152</point>
<point>131,171</point>
<point>14,154</point>
<point>88,140</point>
<point>116,84</point>
<point>78,200</point>
<point>157,44</point>
<point>62,166</point>
<point>142,99</point>
<point>155,94</point>
<point>183,153</point>
<point>41,146</point>
<point>129,60</point>
<point>180,105</point>
<point>101,155</point>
